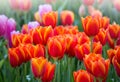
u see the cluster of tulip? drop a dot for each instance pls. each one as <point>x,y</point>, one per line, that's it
<point>38,38</point>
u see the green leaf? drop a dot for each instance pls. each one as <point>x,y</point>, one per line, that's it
<point>1,62</point>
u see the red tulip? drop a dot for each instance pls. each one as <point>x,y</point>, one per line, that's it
<point>91,25</point>
<point>114,31</point>
<point>67,17</point>
<point>56,47</point>
<point>96,65</point>
<point>17,39</point>
<point>71,43</point>
<point>82,38</point>
<point>41,34</point>
<point>82,50</point>
<point>101,36</point>
<point>83,76</point>
<point>42,69</point>
<point>111,53</point>
<point>116,61</point>
<point>50,18</point>
<point>97,48</point>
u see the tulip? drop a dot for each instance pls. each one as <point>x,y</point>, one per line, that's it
<point>41,34</point>
<point>117,4</point>
<point>56,47</point>
<point>104,22</point>
<point>50,1</point>
<point>82,38</point>
<point>90,25</point>
<point>3,21</point>
<point>50,18</point>
<point>101,36</point>
<point>11,26</point>
<point>17,39</point>
<point>71,43</point>
<point>44,9</point>
<point>23,5</point>
<point>35,51</point>
<point>96,65</point>
<point>13,58</point>
<point>42,69</point>
<point>25,29</point>
<point>33,24</point>
<point>82,10</point>
<point>97,48</point>
<point>71,29</point>
<point>88,2</point>
<point>82,76</point>
<point>111,53</point>
<point>82,50</point>
<point>116,61</point>
<point>67,17</point>
<point>114,30</point>
<point>37,17</point>
<point>59,30</point>
<point>110,40</point>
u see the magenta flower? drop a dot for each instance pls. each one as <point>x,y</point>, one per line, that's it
<point>33,24</point>
<point>10,26</point>
<point>44,9</point>
<point>3,21</point>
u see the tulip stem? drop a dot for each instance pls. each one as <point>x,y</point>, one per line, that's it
<point>58,76</point>
<point>91,42</point>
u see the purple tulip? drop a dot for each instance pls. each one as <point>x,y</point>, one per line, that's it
<point>11,26</point>
<point>44,9</point>
<point>33,24</point>
<point>3,22</point>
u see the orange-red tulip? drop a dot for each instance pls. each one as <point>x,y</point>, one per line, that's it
<point>71,43</point>
<point>97,48</point>
<point>96,65</point>
<point>91,25</point>
<point>35,51</point>
<point>116,61</point>
<point>56,47</point>
<point>25,29</point>
<point>111,53</point>
<point>104,22</point>
<point>114,30</point>
<point>50,18</point>
<point>59,30</point>
<point>101,36</point>
<point>67,17</point>
<point>82,50</point>
<point>24,52</point>
<point>42,69</point>
<point>82,38</point>
<point>41,34</point>
<point>71,29</point>
<point>17,39</point>
<point>82,76</point>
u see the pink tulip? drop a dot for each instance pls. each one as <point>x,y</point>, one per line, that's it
<point>23,5</point>
<point>82,10</point>
<point>10,26</point>
<point>117,4</point>
<point>44,9</point>
<point>3,21</point>
<point>88,2</point>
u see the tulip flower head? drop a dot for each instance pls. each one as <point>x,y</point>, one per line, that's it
<point>96,65</point>
<point>42,69</point>
<point>67,17</point>
<point>82,76</point>
<point>90,25</point>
